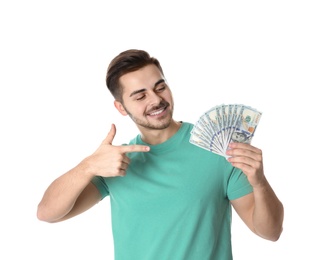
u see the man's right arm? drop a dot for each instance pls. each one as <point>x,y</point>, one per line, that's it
<point>73,192</point>
<point>67,196</point>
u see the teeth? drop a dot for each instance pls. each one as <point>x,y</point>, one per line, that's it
<point>157,113</point>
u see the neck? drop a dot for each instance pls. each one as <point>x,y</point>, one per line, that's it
<point>158,136</point>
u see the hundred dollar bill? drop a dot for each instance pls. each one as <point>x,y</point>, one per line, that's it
<point>235,117</point>
<point>200,131</point>
<point>214,122</point>
<point>246,125</point>
<point>198,141</point>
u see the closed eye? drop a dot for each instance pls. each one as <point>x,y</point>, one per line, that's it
<point>141,97</point>
<point>161,88</point>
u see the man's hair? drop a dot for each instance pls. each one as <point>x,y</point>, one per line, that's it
<point>125,62</point>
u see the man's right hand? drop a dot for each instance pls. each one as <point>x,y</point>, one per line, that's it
<point>109,160</point>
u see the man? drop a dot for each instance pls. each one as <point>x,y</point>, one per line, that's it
<point>174,199</point>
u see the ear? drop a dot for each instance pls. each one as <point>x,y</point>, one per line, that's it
<point>120,108</point>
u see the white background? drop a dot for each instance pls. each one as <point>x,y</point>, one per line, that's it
<point>55,108</point>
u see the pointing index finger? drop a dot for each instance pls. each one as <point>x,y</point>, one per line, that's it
<point>135,148</point>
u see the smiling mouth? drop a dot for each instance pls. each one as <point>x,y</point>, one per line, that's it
<point>158,111</point>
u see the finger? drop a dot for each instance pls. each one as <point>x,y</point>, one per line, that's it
<point>126,160</point>
<point>242,160</point>
<point>110,136</point>
<point>247,169</point>
<point>245,163</point>
<point>241,153</point>
<point>121,173</point>
<point>244,146</point>
<point>134,148</point>
<point>245,150</point>
<point>124,166</point>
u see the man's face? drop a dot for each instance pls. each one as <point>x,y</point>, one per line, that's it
<point>147,98</point>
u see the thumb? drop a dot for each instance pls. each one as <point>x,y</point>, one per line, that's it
<point>110,136</point>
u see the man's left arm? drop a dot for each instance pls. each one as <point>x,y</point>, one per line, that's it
<point>261,210</point>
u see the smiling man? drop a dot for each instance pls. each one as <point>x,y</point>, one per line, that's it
<point>174,200</point>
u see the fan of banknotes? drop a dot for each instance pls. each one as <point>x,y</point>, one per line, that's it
<point>224,124</point>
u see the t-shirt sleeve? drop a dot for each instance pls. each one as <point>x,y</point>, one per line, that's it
<point>101,185</point>
<point>238,185</point>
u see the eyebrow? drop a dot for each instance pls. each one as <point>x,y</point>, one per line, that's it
<point>144,89</point>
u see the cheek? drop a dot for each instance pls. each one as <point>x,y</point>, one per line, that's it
<point>171,100</point>
<point>137,109</point>
<point>168,96</point>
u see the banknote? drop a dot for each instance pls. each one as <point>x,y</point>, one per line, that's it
<point>223,124</point>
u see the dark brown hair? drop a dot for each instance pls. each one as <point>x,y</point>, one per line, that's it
<point>125,62</point>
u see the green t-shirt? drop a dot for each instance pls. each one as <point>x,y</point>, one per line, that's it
<point>173,203</point>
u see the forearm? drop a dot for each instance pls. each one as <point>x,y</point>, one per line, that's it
<point>61,195</point>
<point>268,213</point>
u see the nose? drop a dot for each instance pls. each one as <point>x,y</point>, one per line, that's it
<point>154,99</point>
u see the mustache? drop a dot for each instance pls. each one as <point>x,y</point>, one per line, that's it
<point>162,104</point>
